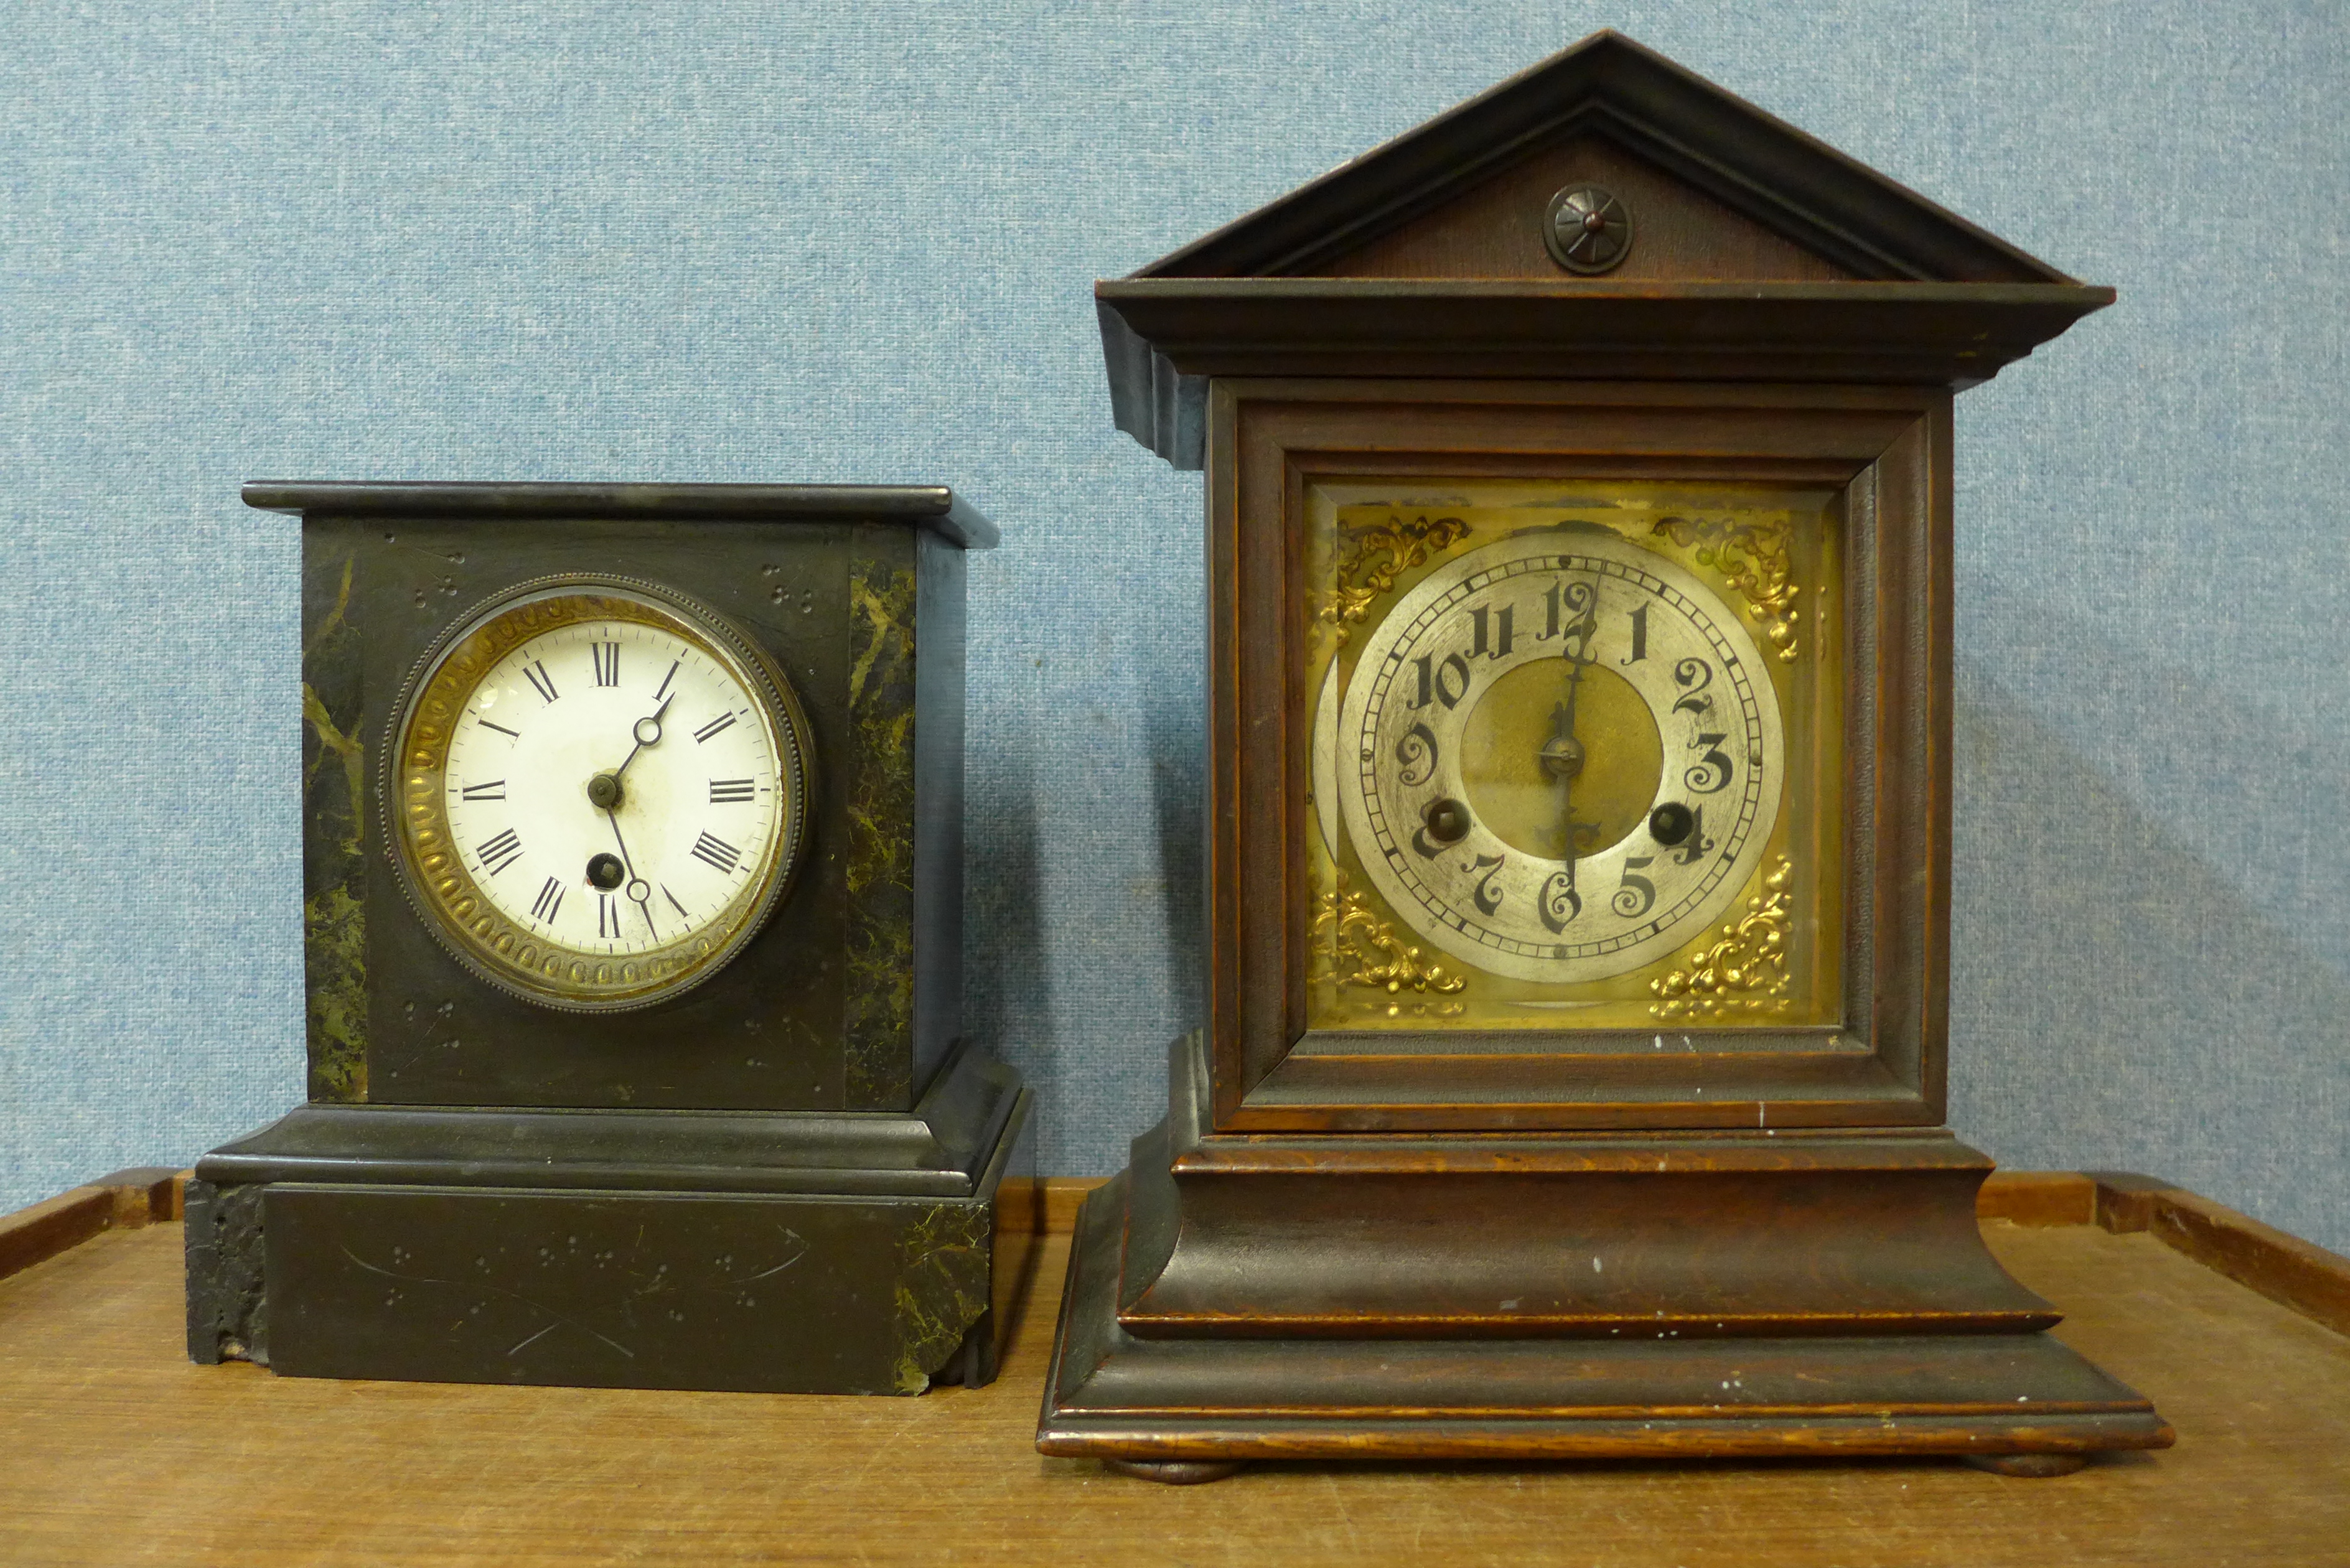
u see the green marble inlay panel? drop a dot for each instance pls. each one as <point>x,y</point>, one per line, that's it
<point>334,773</point>
<point>880,871</point>
<point>944,1261</point>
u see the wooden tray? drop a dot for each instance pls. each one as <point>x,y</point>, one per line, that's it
<point>118,1450</point>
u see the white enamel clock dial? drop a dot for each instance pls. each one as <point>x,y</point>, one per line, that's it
<point>1558,757</point>
<point>602,790</point>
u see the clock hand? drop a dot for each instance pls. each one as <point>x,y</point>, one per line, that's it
<point>604,794</point>
<point>640,891</point>
<point>1562,755</point>
<point>604,789</point>
<point>646,732</point>
<point>1562,758</point>
<point>627,863</point>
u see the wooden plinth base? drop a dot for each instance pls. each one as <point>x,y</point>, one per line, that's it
<point>1197,1392</point>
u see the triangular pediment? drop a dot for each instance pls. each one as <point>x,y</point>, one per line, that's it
<point>1717,188</point>
<point>1756,254</point>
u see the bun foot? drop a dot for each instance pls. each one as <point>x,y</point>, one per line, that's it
<point>2027,1464</point>
<point>1174,1472</point>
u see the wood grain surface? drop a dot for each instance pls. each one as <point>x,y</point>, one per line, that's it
<point>2025,1197</point>
<point>119,1451</point>
<point>2307,1277</point>
<point>120,1201</point>
<point>1494,229</point>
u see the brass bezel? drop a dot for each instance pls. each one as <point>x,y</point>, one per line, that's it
<point>493,947</point>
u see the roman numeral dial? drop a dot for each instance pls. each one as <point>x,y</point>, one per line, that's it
<point>602,792</point>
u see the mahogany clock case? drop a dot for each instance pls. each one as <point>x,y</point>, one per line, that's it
<point>796,1175</point>
<point>1470,1243</point>
<point>1444,1239</point>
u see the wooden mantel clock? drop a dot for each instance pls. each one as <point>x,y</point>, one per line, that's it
<point>1579,573</point>
<point>632,869</point>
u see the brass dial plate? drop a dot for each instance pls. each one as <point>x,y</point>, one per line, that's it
<point>1572,691</point>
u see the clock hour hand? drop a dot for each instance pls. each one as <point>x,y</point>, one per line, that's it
<point>1562,759</point>
<point>604,794</point>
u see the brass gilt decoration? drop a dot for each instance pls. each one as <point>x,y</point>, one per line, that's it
<point>1753,556</point>
<point>1365,950</point>
<point>1745,970</point>
<point>1360,578</point>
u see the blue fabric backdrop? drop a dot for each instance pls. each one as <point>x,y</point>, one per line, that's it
<point>840,240</point>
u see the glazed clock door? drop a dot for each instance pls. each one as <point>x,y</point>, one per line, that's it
<point>1572,794</point>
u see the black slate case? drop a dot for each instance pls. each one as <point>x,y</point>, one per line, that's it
<point>795,1176</point>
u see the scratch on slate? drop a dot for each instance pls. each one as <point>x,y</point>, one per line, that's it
<point>560,1319</point>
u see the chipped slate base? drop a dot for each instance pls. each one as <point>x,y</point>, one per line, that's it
<point>639,1290</point>
<point>755,1292</point>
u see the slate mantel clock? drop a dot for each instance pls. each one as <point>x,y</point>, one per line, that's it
<point>632,929</point>
<point>1579,573</point>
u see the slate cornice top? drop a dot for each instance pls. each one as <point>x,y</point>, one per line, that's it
<point>932,506</point>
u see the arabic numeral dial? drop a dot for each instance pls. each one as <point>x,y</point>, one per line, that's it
<point>1565,756</point>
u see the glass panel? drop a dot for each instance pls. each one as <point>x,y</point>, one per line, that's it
<point>1576,754</point>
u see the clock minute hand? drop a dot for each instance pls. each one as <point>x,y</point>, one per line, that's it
<point>637,733</point>
<point>1562,755</point>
